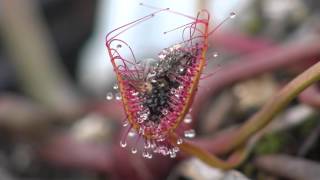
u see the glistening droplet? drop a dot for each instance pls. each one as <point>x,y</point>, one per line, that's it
<point>125,123</point>
<point>190,133</point>
<point>123,144</point>
<point>233,15</point>
<point>149,156</point>
<point>215,54</point>
<point>173,155</point>
<point>147,144</point>
<point>179,141</point>
<point>145,154</point>
<point>109,96</point>
<point>132,133</point>
<point>115,86</point>
<point>176,149</point>
<point>134,150</point>
<point>118,96</point>
<point>188,119</point>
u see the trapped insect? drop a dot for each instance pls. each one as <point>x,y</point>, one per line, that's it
<point>157,93</point>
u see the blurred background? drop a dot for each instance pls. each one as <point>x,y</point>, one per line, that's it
<point>55,121</point>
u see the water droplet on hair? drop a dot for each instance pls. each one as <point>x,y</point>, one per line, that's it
<point>161,56</point>
<point>115,86</point>
<point>190,133</point>
<point>188,119</point>
<point>135,94</point>
<point>164,111</point>
<point>142,117</point>
<point>179,141</point>
<point>161,139</point>
<point>176,149</point>
<point>123,144</point>
<point>215,54</point>
<point>147,144</point>
<point>232,15</point>
<point>132,133</point>
<point>173,155</point>
<point>134,150</point>
<point>109,96</point>
<point>145,154</point>
<point>149,156</point>
<point>118,96</point>
<point>125,123</point>
<point>181,70</point>
<point>141,130</point>
<point>153,144</point>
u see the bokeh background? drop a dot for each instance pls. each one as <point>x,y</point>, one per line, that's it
<point>55,121</point>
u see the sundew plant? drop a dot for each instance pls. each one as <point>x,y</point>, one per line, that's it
<point>157,92</point>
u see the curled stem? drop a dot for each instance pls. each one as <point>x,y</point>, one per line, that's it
<point>258,121</point>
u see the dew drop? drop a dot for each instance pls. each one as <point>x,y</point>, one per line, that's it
<point>215,54</point>
<point>232,15</point>
<point>165,111</point>
<point>123,144</point>
<point>190,133</point>
<point>125,123</point>
<point>115,86</point>
<point>188,119</point>
<point>149,156</point>
<point>161,139</point>
<point>109,96</point>
<point>173,155</point>
<point>176,149</point>
<point>181,70</point>
<point>141,130</point>
<point>134,150</point>
<point>153,145</point>
<point>132,133</point>
<point>147,145</point>
<point>145,154</point>
<point>161,56</point>
<point>118,96</point>
<point>179,141</point>
<point>135,94</point>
